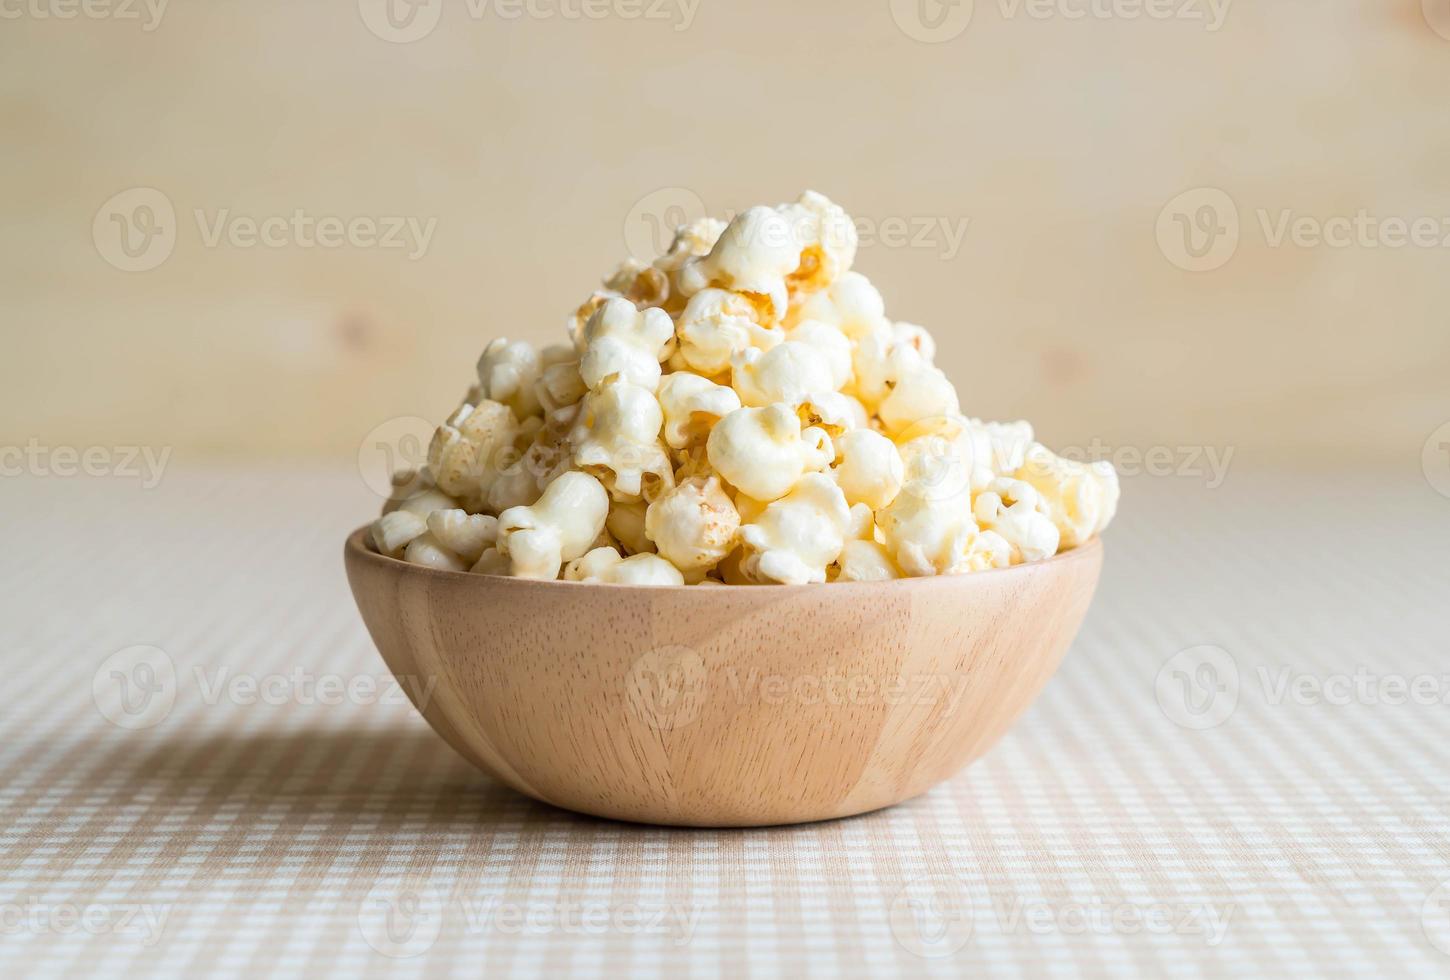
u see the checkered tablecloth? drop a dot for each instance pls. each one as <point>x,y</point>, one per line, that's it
<point>1242,768</point>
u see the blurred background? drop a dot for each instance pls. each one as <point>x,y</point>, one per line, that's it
<point>258,230</point>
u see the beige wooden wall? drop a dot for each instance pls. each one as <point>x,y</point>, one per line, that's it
<point>1019,174</point>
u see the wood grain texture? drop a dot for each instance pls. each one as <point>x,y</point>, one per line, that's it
<point>722,706</point>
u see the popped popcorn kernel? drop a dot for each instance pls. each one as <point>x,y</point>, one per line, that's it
<point>741,410</point>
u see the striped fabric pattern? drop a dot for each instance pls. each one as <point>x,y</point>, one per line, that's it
<point>1242,768</point>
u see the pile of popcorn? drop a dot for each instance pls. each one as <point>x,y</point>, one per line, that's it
<point>741,411</point>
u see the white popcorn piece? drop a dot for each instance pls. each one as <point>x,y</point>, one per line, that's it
<point>622,340</point>
<point>928,535</point>
<point>764,451</point>
<point>491,562</point>
<point>864,561</point>
<point>1081,498</point>
<point>790,373</point>
<point>617,439</point>
<point>916,337</point>
<point>626,522</point>
<point>692,405</point>
<point>797,536</point>
<point>998,449</point>
<point>879,362</point>
<point>560,385</point>
<point>922,392</point>
<point>748,507</point>
<point>561,526</point>
<point>868,468</point>
<point>606,565</point>
<point>828,242</point>
<point>574,326</point>
<point>937,455</point>
<point>754,255</point>
<point>469,450</point>
<point>851,304</point>
<point>507,371</point>
<point>695,525</point>
<point>828,341</point>
<point>466,535</point>
<point>428,550</point>
<point>988,549</point>
<point>952,451</point>
<point>714,326</point>
<point>692,241</point>
<point>1016,511</point>
<point>641,284</point>
<point>549,454</point>
<point>423,503</point>
<point>393,532</point>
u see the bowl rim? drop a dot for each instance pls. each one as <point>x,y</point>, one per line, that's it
<point>357,547</point>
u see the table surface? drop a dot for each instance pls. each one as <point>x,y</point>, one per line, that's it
<point>1242,767</point>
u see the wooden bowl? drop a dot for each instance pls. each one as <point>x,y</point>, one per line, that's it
<point>722,707</point>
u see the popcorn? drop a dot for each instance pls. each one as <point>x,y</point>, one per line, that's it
<point>643,285</point>
<point>606,565</point>
<point>864,561</point>
<point>864,558</point>
<point>560,527</point>
<point>616,438</point>
<point>988,549</point>
<point>464,534</point>
<point>507,372</point>
<point>798,535</point>
<point>790,373</point>
<point>466,453</point>
<point>763,452</point>
<point>753,256</point>
<point>868,468</point>
<point>1081,498</point>
<point>828,341</point>
<point>928,535</point>
<point>549,454</point>
<point>916,337</point>
<point>560,385</point>
<point>626,522</point>
<point>828,241</point>
<point>851,304</point>
<point>622,340</point>
<point>919,392</point>
<point>428,550</point>
<point>393,532</point>
<point>1017,513</point>
<point>692,405</point>
<point>715,326</point>
<point>692,241</point>
<point>694,525</point>
<point>740,411</point>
